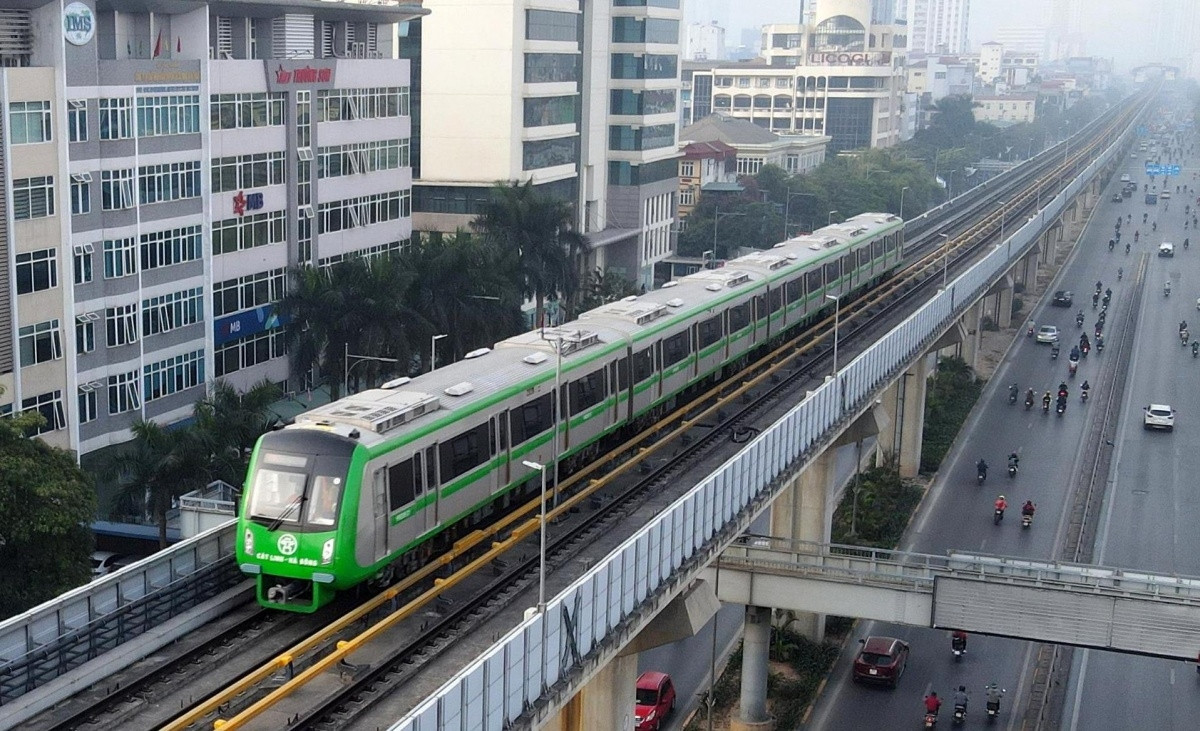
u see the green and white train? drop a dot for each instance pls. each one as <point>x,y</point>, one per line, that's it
<point>368,487</point>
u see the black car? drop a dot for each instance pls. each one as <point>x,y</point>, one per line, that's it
<point>1116,198</point>
<point>1062,298</point>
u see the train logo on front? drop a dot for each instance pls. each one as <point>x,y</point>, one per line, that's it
<point>287,544</point>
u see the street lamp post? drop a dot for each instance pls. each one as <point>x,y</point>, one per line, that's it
<point>945,258</point>
<point>346,366</point>
<point>902,190</point>
<point>717,216</point>
<point>433,351</point>
<point>837,308</point>
<point>1003,205</point>
<point>541,605</point>
<point>829,221</point>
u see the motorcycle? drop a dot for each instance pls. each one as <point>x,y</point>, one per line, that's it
<point>930,720</point>
<point>1029,332</point>
<point>1029,399</point>
<point>1072,366</point>
<point>980,476</point>
<point>1062,407</point>
<point>1083,395</point>
<point>998,516</point>
<point>993,708</point>
<point>1183,337</point>
<point>1166,291</point>
<point>1095,300</point>
<point>1012,394</point>
<point>960,714</point>
<point>1026,520</point>
<point>1012,471</point>
<point>958,646</point>
<point>1045,407</point>
<point>1079,321</point>
<point>1099,342</point>
<point>1054,351</point>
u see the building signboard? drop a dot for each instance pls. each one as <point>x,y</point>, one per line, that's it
<point>878,58</point>
<point>79,24</point>
<point>285,74</point>
<point>243,202</point>
<point>244,324</point>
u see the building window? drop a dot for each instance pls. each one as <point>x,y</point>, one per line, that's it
<point>29,122</point>
<point>37,271</point>
<point>363,211</point>
<point>77,129</point>
<point>120,325</point>
<point>749,165</point>
<point>252,109</point>
<point>116,119</point>
<point>174,375</point>
<point>626,137</point>
<point>39,343</point>
<point>647,101</point>
<point>249,351</point>
<point>120,258</point>
<point>123,393</point>
<point>238,172</point>
<point>83,263</point>
<point>33,197</point>
<point>116,189</point>
<point>549,153</point>
<point>168,182</point>
<point>88,406</point>
<point>165,313</point>
<point>551,25</point>
<point>50,406</point>
<point>644,66</point>
<point>247,232</point>
<point>81,195</point>
<point>244,293</point>
<point>337,105</point>
<point>687,169</point>
<point>362,157</point>
<point>173,246</point>
<point>687,196</point>
<point>85,333</point>
<point>173,114</point>
<point>551,67</point>
<point>627,29</point>
<point>548,110</point>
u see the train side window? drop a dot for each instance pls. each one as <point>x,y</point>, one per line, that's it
<point>814,282</point>
<point>776,298</point>
<point>710,331</point>
<point>643,365</point>
<point>876,248</point>
<point>675,349</point>
<point>831,273</point>
<point>587,391</point>
<point>623,374</point>
<point>795,290</point>
<point>402,485</point>
<point>532,418</point>
<point>464,452</point>
<point>517,424</point>
<point>739,317</point>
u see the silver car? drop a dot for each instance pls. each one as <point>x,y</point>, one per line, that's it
<point>1047,334</point>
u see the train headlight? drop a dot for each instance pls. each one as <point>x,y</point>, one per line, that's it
<point>249,541</point>
<point>327,552</point>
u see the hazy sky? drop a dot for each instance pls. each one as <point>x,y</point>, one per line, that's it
<point>1118,29</point>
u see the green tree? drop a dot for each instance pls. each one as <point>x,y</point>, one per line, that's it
<point>46,504</point>
<point>228,423</point>
<point>464,288</point>
<point>539,232</point>
<point>158,466</point>
<point>601,288</point>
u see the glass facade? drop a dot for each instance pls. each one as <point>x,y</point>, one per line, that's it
<point>551,67</point>
<point>621,172</point>
<point>645,30</point>
<point>551,25</point>
<point>652,101</point>
<point>626,137</point>
<point>644,66</point>
<point>848,122</point>
<point>548,110</point>
<point>646,4</point>
<point>549,153</point>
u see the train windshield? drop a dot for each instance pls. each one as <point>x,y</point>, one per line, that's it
<point>297,491</point>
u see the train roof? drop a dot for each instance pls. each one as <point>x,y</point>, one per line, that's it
<point>404,405</point>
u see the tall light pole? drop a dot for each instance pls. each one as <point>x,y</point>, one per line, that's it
<point>945,258</point>
<point>829,221</point>
<point>1003,205</point>
<point>717,216</point>
<point>433,351</point>
<point>837,308</point>
<point>558,410</point>
<point>346,366</point>
<point>902,190</point>
<point>541,605</point>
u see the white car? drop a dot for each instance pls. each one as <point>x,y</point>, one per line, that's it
<point>1047,334</point>
<point>1166,248</point>
<point>1159,416</point>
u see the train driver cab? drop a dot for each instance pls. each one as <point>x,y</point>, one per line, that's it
<point>296,492</point>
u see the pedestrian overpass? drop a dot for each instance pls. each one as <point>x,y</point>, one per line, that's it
<point>1045,601</point>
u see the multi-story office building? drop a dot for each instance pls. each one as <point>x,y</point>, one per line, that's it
<point>581,98</point>
<point>705,42</point>
<point>841,76</point>
<point>163,165</point>
<point>1022,39</point>
<point>938,26</point>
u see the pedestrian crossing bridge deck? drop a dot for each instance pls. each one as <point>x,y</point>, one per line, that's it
<point>1082,605</point>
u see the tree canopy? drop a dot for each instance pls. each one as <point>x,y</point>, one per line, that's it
<point>46,505</point>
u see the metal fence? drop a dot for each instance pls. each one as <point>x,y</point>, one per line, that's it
<point>553,651</point>
<point>66,632</point>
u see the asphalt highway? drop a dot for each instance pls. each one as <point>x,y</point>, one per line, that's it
<point>1154,530</point>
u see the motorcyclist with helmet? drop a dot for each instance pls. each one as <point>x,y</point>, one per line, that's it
<point>1028,508</point>
<point>1001,505</point>
<point>932,703</point>
<point>960,699</point>
<point>981,468</point>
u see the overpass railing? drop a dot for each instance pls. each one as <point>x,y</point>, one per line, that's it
<point>69,630</point>
<point>553,651</point>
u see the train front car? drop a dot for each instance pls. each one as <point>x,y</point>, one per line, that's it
<point>297,522</point>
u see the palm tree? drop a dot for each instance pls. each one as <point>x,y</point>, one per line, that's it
<point>229,423</point>
<point>158,466</point>
<point>463,289</point>
<point>539,232</point>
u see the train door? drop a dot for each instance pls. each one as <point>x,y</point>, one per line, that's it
<point>379,509</point>
<point>432,512</point>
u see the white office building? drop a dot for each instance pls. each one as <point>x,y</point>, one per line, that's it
<point>938,26</point>
<point>705,42</point>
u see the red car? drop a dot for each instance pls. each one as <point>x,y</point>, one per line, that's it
<point>655,700</point>
<point>881,660</point>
